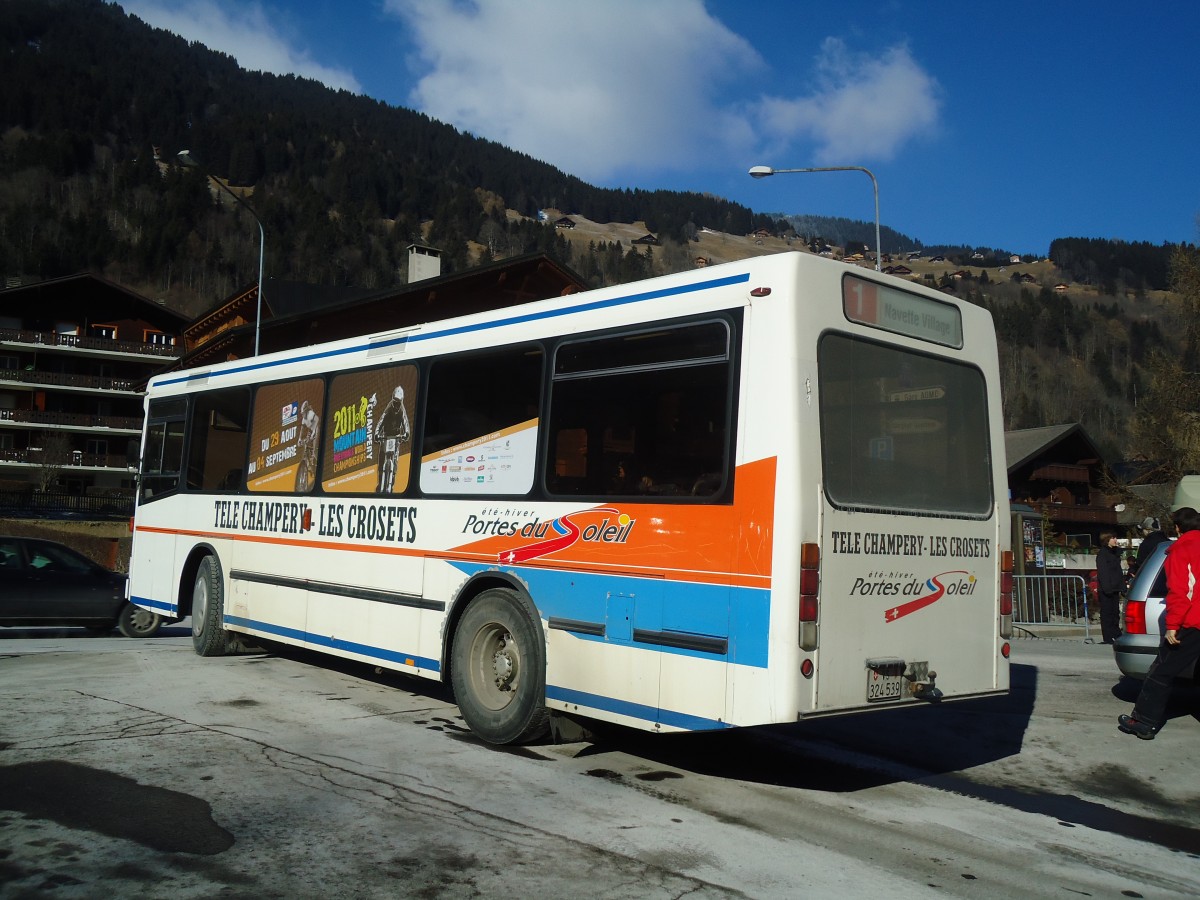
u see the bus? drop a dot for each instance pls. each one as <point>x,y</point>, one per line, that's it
<point>759,492</point>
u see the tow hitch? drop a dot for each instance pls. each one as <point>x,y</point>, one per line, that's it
<point>922,682</point>
<point>887,676</point>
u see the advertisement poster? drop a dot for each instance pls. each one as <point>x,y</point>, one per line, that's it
<point>284,437</point>
<point>368,447</point>
<point>501,462</point>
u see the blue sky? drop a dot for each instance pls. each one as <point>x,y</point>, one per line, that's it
<point>992,125</point>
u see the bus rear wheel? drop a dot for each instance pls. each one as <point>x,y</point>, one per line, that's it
<point>208,610</point>
<point>498,669</point>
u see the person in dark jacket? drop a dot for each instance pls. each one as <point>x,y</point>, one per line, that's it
<point>1111,581</point>
<point>1152,536</point>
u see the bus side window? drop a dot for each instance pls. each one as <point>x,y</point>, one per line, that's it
<point>162,458</point>
<point>481,422</point>
<point>217,439</point>
<point>642,415</point>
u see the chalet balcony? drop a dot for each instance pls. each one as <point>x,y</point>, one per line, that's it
<point>71,420</point>
<point>58,379</point>
<point>52,340</point>
<point>1076,514</point>
<point>72,459</point>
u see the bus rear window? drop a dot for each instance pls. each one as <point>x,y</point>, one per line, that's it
<point>902,431</point>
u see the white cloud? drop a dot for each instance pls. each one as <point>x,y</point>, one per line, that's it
<point>244,31</point>
<point>594,88</point>
<point>863,108</point>
<point>629,86</point>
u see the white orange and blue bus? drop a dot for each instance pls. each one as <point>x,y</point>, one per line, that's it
<point>753,493</point>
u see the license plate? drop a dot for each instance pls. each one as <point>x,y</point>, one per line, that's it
<point>884,684</point>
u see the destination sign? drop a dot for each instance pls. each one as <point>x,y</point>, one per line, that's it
<point>883,306</point>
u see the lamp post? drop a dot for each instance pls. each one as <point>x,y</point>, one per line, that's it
<point>185,159</point>
<point>764,171</point>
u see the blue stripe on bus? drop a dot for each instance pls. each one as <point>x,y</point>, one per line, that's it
<point>408,660</point>
<point>170,608</point>
<point>672,607</point>
<point>634,710</point>
<point>467,329</point>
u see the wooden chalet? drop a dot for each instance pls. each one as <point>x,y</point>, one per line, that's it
<point>1058,473</point>
<point>295,315</point>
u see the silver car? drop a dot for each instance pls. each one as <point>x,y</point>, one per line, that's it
<point>1145,610</point>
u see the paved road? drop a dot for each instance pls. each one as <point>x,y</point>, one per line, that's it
<point>136,769</point>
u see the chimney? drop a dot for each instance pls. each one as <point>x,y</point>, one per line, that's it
<point>423,262</point>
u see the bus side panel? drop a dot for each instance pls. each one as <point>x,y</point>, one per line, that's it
<point>161,548</point>
<point>385,627</point>
<point>644,599</point>
<point>628,694</point>
<point>151,580</point>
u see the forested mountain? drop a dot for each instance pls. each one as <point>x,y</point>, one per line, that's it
<point>1116,266</point>
<point>95,105</point>
<point>341,182</point>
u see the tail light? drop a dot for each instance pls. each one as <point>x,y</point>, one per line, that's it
<point>1135,616</point>
<point>1006,593</point>
<point>810,585</point>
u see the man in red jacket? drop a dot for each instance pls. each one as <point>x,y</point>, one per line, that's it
<point>1181,644</point>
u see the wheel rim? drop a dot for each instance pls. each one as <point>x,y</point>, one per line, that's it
<point>495,664</point>
<point>142,620</point>
<point>199,604</point>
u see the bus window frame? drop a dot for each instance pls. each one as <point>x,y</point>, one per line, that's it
<point>733,322</point>
<point>146,478</point>
<point>902,347</point>
<point>420,427</point>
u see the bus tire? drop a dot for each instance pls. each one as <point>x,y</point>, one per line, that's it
<point>208,610</point>
<point>498,669</point>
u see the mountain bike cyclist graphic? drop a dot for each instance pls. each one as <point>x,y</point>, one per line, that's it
<point>306,444</point>
<point>392,429</point>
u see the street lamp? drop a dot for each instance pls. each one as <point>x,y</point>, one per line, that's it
<point>185,159</point>
<point>764,171</point>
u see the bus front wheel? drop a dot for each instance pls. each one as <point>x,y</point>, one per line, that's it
<point>499,669</point>
<point>208,610</point>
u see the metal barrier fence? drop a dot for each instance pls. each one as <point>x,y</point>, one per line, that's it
<point>1051,601</point>
<point>114,505</point>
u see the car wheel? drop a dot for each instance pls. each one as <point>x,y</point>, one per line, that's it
<point>135,622</point>
<point>208,610</point>
<point>499,669</point>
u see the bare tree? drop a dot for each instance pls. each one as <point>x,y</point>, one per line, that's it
<point>56,452</point>
<point>1166,425</point>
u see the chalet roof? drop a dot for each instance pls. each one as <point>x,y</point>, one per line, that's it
<point>504,283</point>
<point>89,297</point>
<point>1024,444</point>
<point>290,298</point>
<point>282,298</point>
